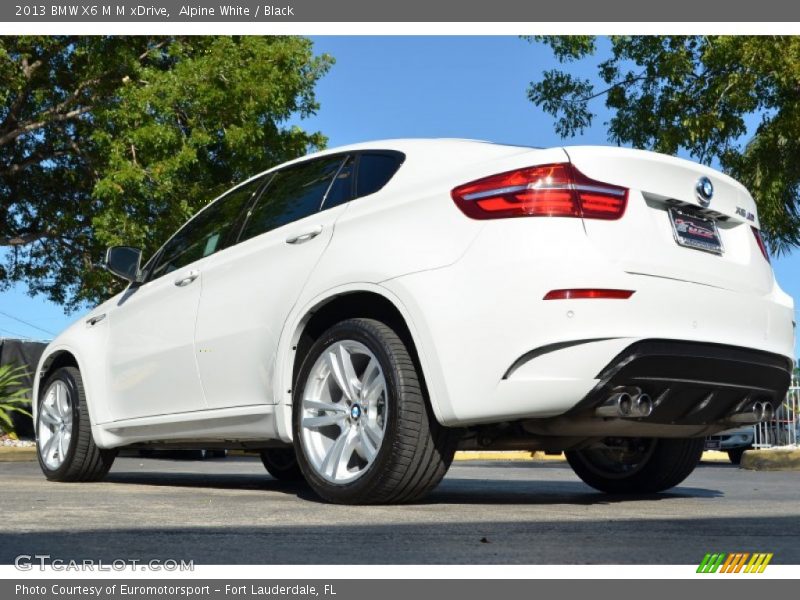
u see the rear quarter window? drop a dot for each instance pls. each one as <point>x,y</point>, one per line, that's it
<point>375,169</point>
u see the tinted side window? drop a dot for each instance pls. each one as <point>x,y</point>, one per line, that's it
<point>208,232</point>
<point>294,192</point>
<point>374,171</point>
<point>342,187</point>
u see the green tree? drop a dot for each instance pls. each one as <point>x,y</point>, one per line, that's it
<point>117,140</point>
<point>694,93</point>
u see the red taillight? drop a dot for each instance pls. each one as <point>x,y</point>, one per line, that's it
<point>584,293</point>
<point>760,241</point>
<point>557,190</point>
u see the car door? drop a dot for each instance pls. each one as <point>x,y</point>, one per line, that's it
<point>151,359</point>
<point>249,290</point>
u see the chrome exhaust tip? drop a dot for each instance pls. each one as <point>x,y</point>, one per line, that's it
<point>642,406</point>
<point>619,404</point>
<point>753,413</point>
<point>768,413</point>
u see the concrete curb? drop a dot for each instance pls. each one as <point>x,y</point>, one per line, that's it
<point>512,455</point>
<point>17,453</point>
<point>772,459</point>
<point>709,456</point>
<point>715,456</point>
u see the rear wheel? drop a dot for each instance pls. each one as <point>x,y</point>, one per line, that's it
<point>363,429</point>
<point>281,463</point>
<point>636,465</point>
<point>64,443</point>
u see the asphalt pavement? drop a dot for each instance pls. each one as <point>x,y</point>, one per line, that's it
<point>230,511</point>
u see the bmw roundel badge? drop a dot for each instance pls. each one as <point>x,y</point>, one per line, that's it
<point>704,190</point>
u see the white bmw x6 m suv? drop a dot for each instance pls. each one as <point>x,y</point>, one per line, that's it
<point>359,314</point>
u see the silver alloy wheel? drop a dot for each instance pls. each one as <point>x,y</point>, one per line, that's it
<point>55,425</point>
<point>344,411</point>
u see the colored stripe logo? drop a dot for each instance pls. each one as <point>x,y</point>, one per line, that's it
<point>737,562</point>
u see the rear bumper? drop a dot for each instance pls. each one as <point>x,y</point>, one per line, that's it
<point>693,383</point>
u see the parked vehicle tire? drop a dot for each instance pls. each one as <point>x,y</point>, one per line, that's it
<point>64,443</point>
<point>637,465</point>
<point>281,463</point>
<point>735,454</point>
<point>363,429</point>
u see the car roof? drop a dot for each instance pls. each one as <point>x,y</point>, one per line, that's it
<point>404,145</point>
<point>410,144</point>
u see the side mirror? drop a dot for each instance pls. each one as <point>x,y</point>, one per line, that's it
<point>123,261</point>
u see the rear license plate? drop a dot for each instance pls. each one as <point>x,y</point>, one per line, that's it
<point>713,444</point>
<point>694,231</point>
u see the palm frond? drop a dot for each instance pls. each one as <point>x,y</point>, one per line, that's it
<point>13,395</point>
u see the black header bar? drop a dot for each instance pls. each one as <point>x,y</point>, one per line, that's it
<point>464,11</point>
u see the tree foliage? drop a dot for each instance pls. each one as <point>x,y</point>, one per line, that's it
<point>14,397</point>
<point>696,94</point>
<point>117,140</point>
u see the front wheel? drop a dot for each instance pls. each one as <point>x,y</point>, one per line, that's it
<point>64,443</point>
<point>636,465</point>
<point>363,430</point>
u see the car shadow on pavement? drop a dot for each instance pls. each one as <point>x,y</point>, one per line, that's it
<point>577,493</point>
<point>218,481</point>
<point>452,490</point>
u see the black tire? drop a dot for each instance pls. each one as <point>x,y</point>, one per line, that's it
<point>281,463</point>
<point>735,454</point>
<point>416,450</point>
<point>83,460</point>
<point>664,464</point>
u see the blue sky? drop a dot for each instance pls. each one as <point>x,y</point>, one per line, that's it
<point>383,87</point>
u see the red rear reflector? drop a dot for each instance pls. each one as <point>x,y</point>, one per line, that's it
<point>760,241</point>
<point>556,190</point>
<point>588,293</point>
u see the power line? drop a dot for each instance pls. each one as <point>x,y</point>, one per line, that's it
<point>15,334</point>
<point>5,314</point>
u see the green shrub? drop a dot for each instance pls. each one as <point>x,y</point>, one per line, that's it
<point>13,396</point>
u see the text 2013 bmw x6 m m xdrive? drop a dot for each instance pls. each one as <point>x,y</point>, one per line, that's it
<point>359,314</point>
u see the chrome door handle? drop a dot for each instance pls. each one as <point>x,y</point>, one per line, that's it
<point>187,278</point>
<point>305,236</point>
